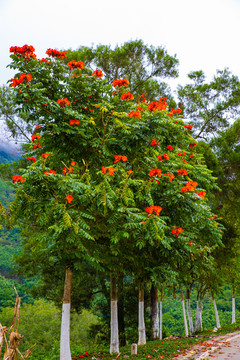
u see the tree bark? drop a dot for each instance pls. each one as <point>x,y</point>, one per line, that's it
<point>114,341</point>
<point>141,323</point>
<point>160,316</point>
<point>198,320</point>
<point>184,314</point>
<point>216,312</point>
<point>65,352</point>
<point>121,323</point>
<point>154,312</point>
<point>189,313</point>
<point>233,307</point>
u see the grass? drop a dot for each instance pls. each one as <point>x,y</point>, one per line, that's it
<point>168,348</point>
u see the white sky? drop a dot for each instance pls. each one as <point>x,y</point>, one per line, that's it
<point>203,34</point>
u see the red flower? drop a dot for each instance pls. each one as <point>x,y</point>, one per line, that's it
<point>31,159</point>
<point>174,111</point>
<point>154,142</point>
<point>56,53</point>
<point>120,82</point>
<point>35,136</point>
<point>45,156</point>
<point>185,161</point>
<point>73,163</point>
<point>127,96</point>
<point>22,78</point>
<point>124,158</point>
<point>188,127</point>
<point>202,194</point>
<point>111,171</point>
<point>169,147</point>
<point>157,172</point>
<point>103,169</point>
<point>50,172</point>
<point>160,105</point>
<point>129,172</point>
<point>18,178</point>
<point>69,198</point>
<point>190,186</point>
<point>74,122</point>
<point>171,176</point>
<point>142,98</point>
<point>98,73</point>
<point>26,51</point>
<point>117,158</point>
<point>177,231</point>
<point>162,157</point>
<point>76,64</point>
<point>36,146</point>
<point>154,209</point>
<point>192,145</point>
<point>136,114</point>
<point>182,172</point>
<point>63,102</point>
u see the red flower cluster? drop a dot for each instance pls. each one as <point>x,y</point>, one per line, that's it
<point>17,178</point>
<point>98,73</point>
<point>192,145</point>
<point>142,98</point>
<point>202,194</point>
<point>169,147</point>
<point>44,60</point>
<point>35,136</point>
<point>110,170</point>
<point>120,82</point>
<point>185,161</point>
<point>31,159</point>
<point>174,111</point>
<point>68,170</point>
<point>171,176</point>
<point>182,172</point>
<point>160,105</point>
<point>36,146</point>
<point>127,96</point>
<point>63,102</point>
<point>50,172</point>
<point>22,78</point>
<point>190,186</point>
<point>154,209</point>
<point>157,172</point>
<point>117,158</point>
<point>26,51</point>
<point>177,231</point>
<point>56,53</point>
<point>162,157</point>
<point>136,114</point>
<point>45,156</point>
<point>154,142</point>
<point>74,122</point>
<point>188,127</point>
<point>76,64</point>
<point>182,154</point>
<point>69,198</point>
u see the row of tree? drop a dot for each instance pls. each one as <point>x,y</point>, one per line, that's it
<point>113,182</point>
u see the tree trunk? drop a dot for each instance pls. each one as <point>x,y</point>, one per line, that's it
<point>114,342</point>
<point>216,312</point>
<point>65,352</point>
<point>198,320</point>
<point>154,312</point>
<point>141,323</point>
<point>121,323</point>
<point>184,315</point>
<point>160,316</point>
<point>189,313</point>
<point>233,307</point>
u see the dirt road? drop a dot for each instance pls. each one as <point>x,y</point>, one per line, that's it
<point>225,347</point>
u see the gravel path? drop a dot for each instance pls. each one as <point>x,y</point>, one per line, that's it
<point>225,347</point>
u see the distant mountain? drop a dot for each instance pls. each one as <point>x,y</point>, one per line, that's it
<point>8,156</point>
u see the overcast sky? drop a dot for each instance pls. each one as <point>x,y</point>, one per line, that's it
<point>203,34</point>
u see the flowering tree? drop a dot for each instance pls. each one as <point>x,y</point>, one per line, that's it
<point>107,174</point>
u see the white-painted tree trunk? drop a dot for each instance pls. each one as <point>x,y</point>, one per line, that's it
<point>216,312</point>
<point>189,312</point>
<point>160,318</point>
<point>184,315</point>
<point>65,352</point>
<point>114,341</point>
<point>198,320</point>
<point>154,312</point>
<point>141,322</point>
<point>233,308</point>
